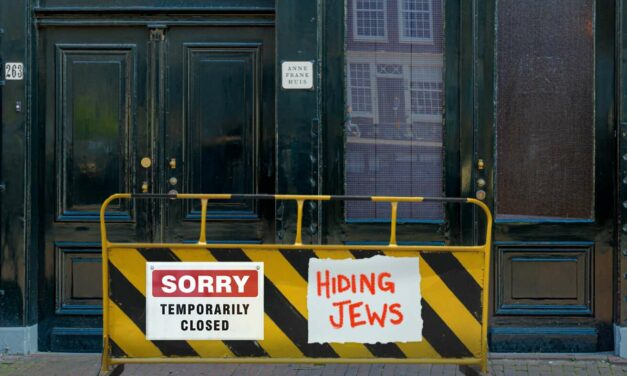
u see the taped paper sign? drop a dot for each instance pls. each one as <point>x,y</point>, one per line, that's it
<point>365,301</point>
<point>204,300</point>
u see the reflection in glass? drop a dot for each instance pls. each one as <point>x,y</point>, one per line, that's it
<point>393,125</point>
<point>94,151</point>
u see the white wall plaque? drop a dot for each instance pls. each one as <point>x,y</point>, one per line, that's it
<point>13,71</point>
<point>297,74</point>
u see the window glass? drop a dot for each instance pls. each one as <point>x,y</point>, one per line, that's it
<point>393,125</point>
<point>369,18</point>
<point>416,19</point>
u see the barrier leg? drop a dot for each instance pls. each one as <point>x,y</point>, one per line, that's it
<point>114,371</point>
<point>104,365</point>
<point>472,371</point>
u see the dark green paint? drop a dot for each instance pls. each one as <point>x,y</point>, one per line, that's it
<point>470,136</point>
<point>621,168</point>
<point>305,143</point>
<point>18,292</point>
<point>524,234</point>
<point>202,93</point>
<point>297,125</point>
<point>227,91</point>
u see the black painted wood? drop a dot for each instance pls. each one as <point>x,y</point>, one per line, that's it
<point>197,99</point>
<point>219,126</point>
<point>92,112</point>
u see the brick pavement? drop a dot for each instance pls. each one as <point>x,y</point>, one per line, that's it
<point>515,365</point>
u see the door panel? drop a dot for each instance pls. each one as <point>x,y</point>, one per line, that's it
<point>529,284</point>
<point>89,107</point>
<point>93,135</point>
<point>552,193</point>
<point>220,125</point>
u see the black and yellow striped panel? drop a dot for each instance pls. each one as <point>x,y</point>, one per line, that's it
<point>451,288</point>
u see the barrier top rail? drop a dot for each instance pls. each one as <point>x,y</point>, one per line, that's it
<point>300,200</point>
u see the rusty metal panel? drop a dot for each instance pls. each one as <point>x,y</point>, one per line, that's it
<point>545,109</point>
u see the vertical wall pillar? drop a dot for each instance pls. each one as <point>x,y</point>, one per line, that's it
<point>18,301</point>
<point>297,118</point>
<point>620,331</point>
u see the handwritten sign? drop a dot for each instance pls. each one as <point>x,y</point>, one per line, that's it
<point>364,301</point>
<point>204,300</point>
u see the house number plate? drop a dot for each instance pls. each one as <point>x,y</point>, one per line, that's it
<point>13,71</point>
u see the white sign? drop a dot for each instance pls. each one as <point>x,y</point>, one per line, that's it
<point>297,74</point>
<point>204,300</point>
<point>13,71</point>
<point>365,301</point>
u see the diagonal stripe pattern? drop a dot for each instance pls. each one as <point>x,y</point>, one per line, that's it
<point>450,288</point>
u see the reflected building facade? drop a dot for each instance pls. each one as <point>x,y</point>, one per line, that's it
<point>393,126</point>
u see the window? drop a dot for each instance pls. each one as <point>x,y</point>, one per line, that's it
<point>426,98</point>
<point>360,88</point>
<point>415,20</point>
<point>426,93</point>
<point>369,19</point>
<point>393,125</point>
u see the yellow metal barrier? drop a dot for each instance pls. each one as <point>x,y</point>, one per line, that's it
<point>454,286</point>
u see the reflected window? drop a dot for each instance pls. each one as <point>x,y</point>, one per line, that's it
<point>415,20</point>
<point>426,91</point>
<point>369,16</point>
<point>393,121</point>
<point>360,88</point>
<point>426,97</point>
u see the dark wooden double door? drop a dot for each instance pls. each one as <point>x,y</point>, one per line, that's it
<point>150,108</point>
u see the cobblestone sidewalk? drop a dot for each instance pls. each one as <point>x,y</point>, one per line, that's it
<point>79,365</point>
